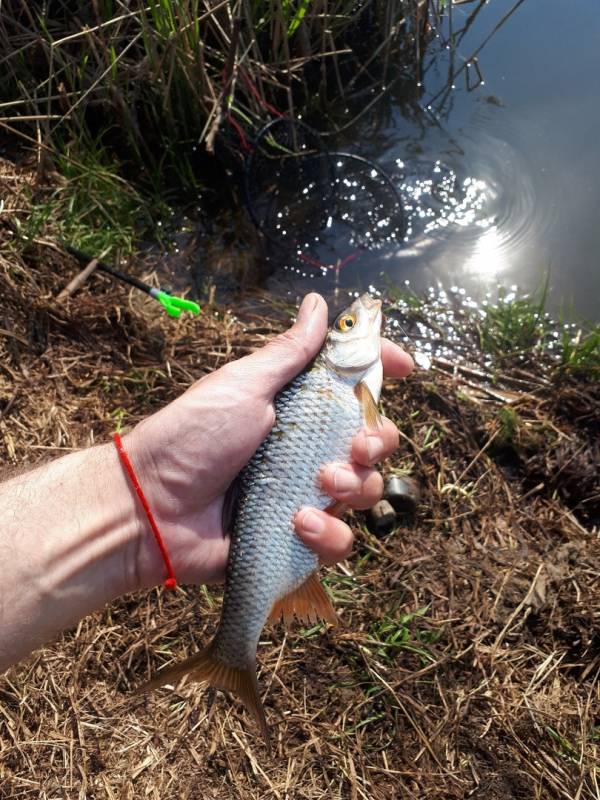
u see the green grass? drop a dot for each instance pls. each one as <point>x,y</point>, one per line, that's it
<point>566,749</point>
<point>580,354</point>
<point>401,297</point>
<point>389,635</point>
<point>93,208</point>
<point>509,426</point>
<point>156,79</point>
<point>518,326</point>
<point>129,101</point>
<point>341,588</point>
<point>514,330</point>
<point>514,325</point>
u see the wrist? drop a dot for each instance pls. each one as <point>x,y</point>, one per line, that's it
<point>108,524</point>
<point>146,566</point>
<point>190,526</point>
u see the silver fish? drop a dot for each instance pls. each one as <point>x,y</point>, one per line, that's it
<point>270,572</point>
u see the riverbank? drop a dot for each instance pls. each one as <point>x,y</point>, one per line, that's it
<point>467,659</point>
<point>163,99</point>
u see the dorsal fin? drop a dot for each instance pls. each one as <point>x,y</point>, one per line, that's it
<point>308,603</point>
<point>336,508</point>
<point>368,404</point>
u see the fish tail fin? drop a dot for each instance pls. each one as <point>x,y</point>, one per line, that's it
<point>206,667</point>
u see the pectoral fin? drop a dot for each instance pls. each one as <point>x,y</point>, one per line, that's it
<point>230,502</point>
<point>337,508</point>
<point>368,404</point>
<point>308,603</point>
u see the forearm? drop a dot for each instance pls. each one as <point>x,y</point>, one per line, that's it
<point>69,540</point>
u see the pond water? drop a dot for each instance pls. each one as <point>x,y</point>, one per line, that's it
<point>500,181</point>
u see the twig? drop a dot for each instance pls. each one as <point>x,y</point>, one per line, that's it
<point>517,611</point>
<point>78,280</point>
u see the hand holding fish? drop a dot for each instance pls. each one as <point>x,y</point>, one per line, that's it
<point>273,421</point>
<point>73,534</point>
<point>187,454</point>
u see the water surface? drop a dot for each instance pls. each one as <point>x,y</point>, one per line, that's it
<point>500,183</point>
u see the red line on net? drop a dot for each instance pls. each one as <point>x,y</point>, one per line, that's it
<point>240,132</point>
<point>313,262</point>
<point>258,96</point>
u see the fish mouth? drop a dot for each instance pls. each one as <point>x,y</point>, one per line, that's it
<point>369,302</point>
<point>371,305</point>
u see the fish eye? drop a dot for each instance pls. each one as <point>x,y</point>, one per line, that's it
<point>345,322</point>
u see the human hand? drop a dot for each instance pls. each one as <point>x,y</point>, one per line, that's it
<point>188,453</point>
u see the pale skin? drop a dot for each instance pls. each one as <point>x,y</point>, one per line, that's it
<point>73,536</point>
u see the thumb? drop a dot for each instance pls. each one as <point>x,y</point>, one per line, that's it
<point>286,355</point>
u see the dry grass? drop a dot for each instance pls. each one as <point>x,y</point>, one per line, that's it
<point>153,81</point>
<point>490,692</point>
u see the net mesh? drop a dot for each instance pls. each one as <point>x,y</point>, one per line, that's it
<point>318,209</point>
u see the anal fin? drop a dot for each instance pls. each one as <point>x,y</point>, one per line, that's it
<point>308,603</point>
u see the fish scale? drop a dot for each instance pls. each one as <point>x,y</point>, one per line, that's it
<point>316,417</point>
<point>270,572</point>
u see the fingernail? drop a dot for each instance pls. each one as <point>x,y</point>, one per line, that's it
<point>345,481</point>
<point>375,447</point>
<point>307,307</point>
<point>312,523</point>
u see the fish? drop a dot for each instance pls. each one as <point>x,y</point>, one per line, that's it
<point>270,572</point>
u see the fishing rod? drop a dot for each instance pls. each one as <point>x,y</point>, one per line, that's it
<point>174,306</point>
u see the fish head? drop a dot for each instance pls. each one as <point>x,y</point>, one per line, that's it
<point>353,344</point>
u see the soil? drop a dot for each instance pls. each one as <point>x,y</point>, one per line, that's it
<point>467,659</point>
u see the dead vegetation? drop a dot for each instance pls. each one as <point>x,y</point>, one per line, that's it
<point>154,82</point>
<point>467,661</point>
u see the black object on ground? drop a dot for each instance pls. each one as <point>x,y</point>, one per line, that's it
<point>174,306</point>
<point>381,518</point>
<point>403,493</point>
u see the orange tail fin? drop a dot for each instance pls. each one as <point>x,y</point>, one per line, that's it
<point>204,666</point>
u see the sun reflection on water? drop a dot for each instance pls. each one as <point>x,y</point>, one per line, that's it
<point>488,259</point>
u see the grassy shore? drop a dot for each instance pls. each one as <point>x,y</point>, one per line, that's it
<point>467,661</point>
<point>468,655</point>
<point>150,92</point>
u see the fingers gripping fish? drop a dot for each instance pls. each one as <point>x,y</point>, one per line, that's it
<point>270,572</point>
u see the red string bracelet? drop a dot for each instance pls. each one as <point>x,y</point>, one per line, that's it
<point>171,581</point>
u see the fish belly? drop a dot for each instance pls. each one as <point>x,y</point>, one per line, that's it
<point>317,416</point>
